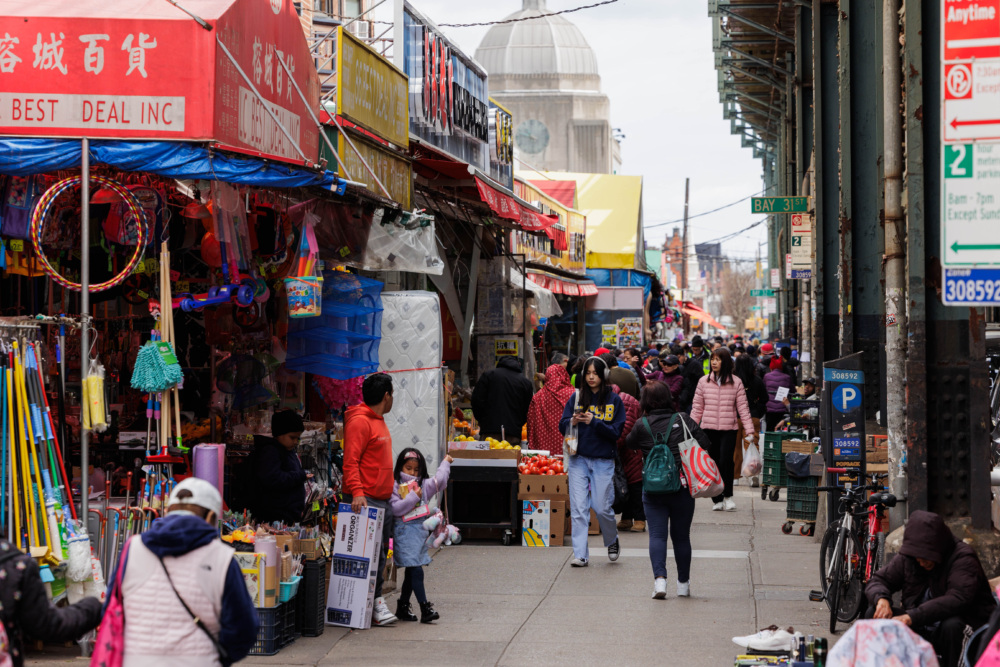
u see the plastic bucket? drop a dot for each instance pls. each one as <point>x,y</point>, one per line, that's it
<point>305,296</point>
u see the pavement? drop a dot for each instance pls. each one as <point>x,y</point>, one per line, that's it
<point>516,605</point>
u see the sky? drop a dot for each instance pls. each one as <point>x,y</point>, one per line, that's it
<point>657,67</point>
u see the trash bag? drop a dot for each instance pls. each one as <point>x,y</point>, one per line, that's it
<point>797,464</point>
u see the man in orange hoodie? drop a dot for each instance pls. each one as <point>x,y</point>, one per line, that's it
<point>368,469</point>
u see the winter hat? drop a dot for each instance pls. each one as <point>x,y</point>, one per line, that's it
<point>786,352</point>
<point>776,364</point>
<point>286,421</point>
<point>198,492</point>
<point>766,348</point>
<point>697,341</point>
<point>601,350</point>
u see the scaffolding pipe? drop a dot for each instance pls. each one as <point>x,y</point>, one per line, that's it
<point>894,260</point>
<point>84,318</point>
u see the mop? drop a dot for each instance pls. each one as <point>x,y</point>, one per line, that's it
<point>40,550</point>
<point>50,430</point>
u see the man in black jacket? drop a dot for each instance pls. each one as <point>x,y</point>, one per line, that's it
<point>501,399</point>
<point>943,586</point>
<point>25,609</point>
<point>694,369</point>
<point>278,492</point>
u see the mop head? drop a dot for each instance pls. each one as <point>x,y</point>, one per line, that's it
<point>156,368</point>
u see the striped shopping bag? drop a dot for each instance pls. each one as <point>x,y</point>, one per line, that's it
<point>704,480</point>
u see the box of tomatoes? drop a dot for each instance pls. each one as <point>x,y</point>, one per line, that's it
<point>542,478</point>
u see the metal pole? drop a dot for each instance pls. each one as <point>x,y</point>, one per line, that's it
<point>684,251</point>
<point>894,260</point>
<point>84,315</point>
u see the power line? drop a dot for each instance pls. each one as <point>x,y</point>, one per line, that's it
<point>699,215</point>
<point>517,20</point>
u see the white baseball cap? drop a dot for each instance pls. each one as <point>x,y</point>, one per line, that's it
<point>199,493</point>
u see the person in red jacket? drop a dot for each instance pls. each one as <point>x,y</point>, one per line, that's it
<point>368,468</point>
<point>633,514</point>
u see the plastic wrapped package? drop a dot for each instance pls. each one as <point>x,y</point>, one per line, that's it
<point>406,243</point>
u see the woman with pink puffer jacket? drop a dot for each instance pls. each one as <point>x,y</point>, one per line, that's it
<point>720,404</point>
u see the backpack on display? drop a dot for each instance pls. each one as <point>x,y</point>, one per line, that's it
<point>660,473</point>
<point>15,208</point>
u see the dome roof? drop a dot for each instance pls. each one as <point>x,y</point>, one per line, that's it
<point>546,45</point>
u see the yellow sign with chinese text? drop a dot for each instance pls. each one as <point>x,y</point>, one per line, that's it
<point>541,248</point>
<point>371,91</point>
<point>393,171</point>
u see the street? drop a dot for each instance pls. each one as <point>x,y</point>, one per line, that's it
<point>515,605</point>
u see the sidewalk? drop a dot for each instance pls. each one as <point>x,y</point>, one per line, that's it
<point>515,605</point>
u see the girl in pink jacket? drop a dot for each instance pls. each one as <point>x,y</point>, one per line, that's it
<point>720,404</point>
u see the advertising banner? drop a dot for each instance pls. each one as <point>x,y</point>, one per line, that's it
<point>501,145</point>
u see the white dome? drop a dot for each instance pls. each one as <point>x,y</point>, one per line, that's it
<point>545,45</point>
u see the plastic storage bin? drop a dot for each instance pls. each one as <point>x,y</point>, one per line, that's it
<point>269,632</point>
<point>288,633</point>
<point>803,499</point>
<point>288,589</point>
<point>311,600</point>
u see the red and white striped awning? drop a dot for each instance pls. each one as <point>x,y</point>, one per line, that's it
<point>566,286</point>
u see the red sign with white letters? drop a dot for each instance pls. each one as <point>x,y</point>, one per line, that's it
<point>134,70</point>
<point>971,29</point>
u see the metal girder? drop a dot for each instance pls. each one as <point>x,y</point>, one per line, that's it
<point>757,77</point>
<point>755,25</point>
<point>760,61</point>
<point>747,100</point>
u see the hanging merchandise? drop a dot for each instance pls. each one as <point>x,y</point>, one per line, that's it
<point>305,289</point>
<point>45,205</point>
<point>93,398</point>
<point>403,241</point>
<point>15,208</point>
<point>156,367</point>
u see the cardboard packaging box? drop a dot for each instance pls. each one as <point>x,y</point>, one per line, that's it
<point>558,519</point>
<point>817,466</point>
<point>543,487</point>
<point>484,453</point>
<point>252,568</point>
<point>270,584</point>
<point>356,549</point>
<point>535,523</point>
<point>308,548</point>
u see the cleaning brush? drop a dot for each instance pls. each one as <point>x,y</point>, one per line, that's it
<point>156,367</point>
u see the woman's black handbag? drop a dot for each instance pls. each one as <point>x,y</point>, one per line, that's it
<point>621,486</point>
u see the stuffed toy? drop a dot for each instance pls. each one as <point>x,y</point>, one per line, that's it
<point>441,532</point>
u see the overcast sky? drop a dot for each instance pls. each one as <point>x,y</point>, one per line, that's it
<point>656,64</point>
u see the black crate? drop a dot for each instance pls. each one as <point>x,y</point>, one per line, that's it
<point>288,616</point>
<point>310,617</point>
<point>269,632</point>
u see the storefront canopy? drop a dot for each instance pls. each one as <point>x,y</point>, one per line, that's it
<point>23,157</point>
<point>565,286</point>
<point>699,314</point>
<point>145,69</point>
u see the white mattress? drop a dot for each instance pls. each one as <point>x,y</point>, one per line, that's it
<point>410,350</point>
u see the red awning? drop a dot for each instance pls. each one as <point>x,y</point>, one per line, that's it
<point>139,69</point>
<point>700,314</point>
<point>563,192</point>
<point>558,285</point>
<point>558,237</point>
<point>510,207</point>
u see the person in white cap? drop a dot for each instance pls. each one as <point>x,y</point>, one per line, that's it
<point>184,596</point>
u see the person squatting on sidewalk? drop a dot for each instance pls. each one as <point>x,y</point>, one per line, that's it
<point>409,546</point>
<point>666,512</point>
<point>599,419</point>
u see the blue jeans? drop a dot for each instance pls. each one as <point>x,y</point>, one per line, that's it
<point>671,512</point>
<point>591,486</point>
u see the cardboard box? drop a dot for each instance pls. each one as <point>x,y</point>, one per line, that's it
<point>817,466</point>
<point>543,487</point>
<point>535,523</point>
<point>467,445</point>
<point>485,454</point>
<point>252,568</point>
<point>270,584</point>
<point>283,541</point>
<point>558,520</point>
<point>308,548</point>
<point>356,549</point>
<point>801,446</point>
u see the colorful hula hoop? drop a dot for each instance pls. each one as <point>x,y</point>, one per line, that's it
<point>43,207</point>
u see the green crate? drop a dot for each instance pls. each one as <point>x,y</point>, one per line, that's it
<point>775,473</point>
<point>803,499</point>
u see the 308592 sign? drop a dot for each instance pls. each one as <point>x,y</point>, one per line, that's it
<point>970,152</point>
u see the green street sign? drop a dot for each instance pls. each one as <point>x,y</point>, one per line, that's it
<point>780,204</point>
<point>762,292</point>
<point>756,307</point>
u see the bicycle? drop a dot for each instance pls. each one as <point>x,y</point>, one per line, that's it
<point>841,574</point>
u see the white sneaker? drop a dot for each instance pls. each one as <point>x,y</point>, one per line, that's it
<point>660,589</point>
<point>579,562</point>
<point>769,639</point>
<point>381,616</point>
<point>730,504</point>
<point>683,589</point>
<point>718,507</point>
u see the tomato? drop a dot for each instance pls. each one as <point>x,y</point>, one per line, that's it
<point>550,472</point>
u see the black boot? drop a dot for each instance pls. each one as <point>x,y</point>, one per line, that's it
<point>427,613</point>
<point>403,612</point>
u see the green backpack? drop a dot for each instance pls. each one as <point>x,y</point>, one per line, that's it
<point>660,473</point>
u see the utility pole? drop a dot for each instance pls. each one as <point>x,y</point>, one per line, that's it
<point>684,253</point>
<point>894,260</point>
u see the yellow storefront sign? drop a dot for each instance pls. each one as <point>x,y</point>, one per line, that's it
<point>370,91</point>
<point>394,172</point>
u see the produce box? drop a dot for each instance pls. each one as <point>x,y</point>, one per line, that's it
<point>536,520</point>
<point>483,454</point>
<point>558,519</point>
<point>356,549</point>
<point>478,445</point>
<point>801,446</point>
<point>543,487</point>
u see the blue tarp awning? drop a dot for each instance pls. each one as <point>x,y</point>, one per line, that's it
<point>21,156</point>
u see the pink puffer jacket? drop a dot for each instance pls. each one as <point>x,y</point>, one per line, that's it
<point>721,407</point>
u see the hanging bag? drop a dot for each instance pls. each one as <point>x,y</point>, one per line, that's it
<point>109,648</point>
<point>660,473</point>
<point>621,486</point>
<point>704,480</point>
<point>572,438</point>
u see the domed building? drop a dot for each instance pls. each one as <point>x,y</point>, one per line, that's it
<point>545,73</point>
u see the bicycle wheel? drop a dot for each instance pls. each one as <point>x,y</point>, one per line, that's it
<point>835,573</point>
<point>844,594</point>
<point>825,550</point>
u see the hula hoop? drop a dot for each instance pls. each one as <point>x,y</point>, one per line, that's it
<point>43,207</point>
